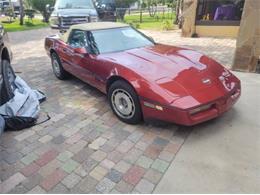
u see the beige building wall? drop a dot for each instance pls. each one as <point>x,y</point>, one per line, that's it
<point>248,42</point>
<point>217,31</point>
<point>190,27</point>
<point>247,56</point>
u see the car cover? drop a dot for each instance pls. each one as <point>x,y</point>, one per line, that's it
<point>22,110</point>
<point>2,125</point>
<point>7,77</point>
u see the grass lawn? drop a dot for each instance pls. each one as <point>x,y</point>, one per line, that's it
<point>159,22</point>
<point>28,25</point>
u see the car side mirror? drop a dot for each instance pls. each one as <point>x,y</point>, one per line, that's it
<point>81,51</point>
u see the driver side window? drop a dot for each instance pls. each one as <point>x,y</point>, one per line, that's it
<point>78,39</point>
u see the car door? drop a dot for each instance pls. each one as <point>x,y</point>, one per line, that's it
<point>76,60</point>
<point>100,71</point>
<point>65,52</point>
<point>85,66</point>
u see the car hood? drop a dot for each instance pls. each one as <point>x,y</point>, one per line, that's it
<point>74,12</point>
<point>180,72</point>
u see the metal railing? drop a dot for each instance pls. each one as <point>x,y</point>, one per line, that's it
<point>163,12</point>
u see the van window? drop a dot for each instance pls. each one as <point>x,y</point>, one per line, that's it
<point>74,4</point>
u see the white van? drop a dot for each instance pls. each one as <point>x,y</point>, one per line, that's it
<point>69,12</point>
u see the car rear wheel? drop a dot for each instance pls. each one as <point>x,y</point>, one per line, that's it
<point>125,102</point>
<point>7,80</point>
<point>57,68</point>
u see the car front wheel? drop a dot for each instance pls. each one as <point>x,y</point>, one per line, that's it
<point>124,102</point>
<point>58,70</point>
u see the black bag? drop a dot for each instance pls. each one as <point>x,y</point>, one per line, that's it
<point>19,123</point>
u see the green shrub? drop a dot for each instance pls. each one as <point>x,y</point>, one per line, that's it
<point>167,25</point>
<point>134,25</point>
<point>137,26</point>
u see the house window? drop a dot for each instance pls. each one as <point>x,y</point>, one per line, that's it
<point>219,12</point>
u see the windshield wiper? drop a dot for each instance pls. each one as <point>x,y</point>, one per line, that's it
<point>81,7</point>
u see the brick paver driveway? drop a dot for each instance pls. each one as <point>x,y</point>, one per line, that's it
<point>84,148</point>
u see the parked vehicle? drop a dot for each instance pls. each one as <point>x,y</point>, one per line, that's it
<point>69,12</point>
<point>4,4</point>
<point>15,5</point>
<point>5,68</point>
<point>144,79</point>
<point>106,10</point>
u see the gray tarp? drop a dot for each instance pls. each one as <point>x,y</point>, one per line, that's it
<point>2,125</point>
<point>25,102</point>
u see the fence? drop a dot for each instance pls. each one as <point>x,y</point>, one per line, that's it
<point>159,12</point>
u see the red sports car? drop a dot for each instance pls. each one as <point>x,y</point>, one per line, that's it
<point>144,79</point>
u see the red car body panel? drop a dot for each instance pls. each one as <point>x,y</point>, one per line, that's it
<point>176,79</point>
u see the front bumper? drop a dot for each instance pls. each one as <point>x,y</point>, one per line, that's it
<point>184,117</point>
<point>66,22</point>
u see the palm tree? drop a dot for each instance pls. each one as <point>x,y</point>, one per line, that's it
<point>11,11</point>
<point>21,12</point>
<point>177,11</point>
<point>11,5</point>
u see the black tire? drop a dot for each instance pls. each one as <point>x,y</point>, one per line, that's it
<point>57,68</point>
<point>122,88</point>
<point>7,82</point>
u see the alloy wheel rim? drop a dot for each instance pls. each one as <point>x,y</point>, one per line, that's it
<point>1,75</point>
<point>10,75</point>
<point>123,103</point>
<point>56,67</point>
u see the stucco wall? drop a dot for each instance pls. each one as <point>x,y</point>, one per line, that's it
<point>248,42</point>
<point>190,27</point>
<point>217,31</point>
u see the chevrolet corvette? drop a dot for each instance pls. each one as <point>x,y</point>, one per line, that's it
<point>141,78</point>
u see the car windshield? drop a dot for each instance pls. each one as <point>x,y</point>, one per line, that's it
<point>118,39</point>
<point>74,4</point>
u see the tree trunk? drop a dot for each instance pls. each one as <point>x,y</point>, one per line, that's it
<point>11,16</point>
<point>177,11</point>
<point>46,16</point>
<point>21,12</point>
<point>141,13</point>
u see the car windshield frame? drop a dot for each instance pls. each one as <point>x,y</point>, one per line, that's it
<point>96,49</point>
<point>71,4</point>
